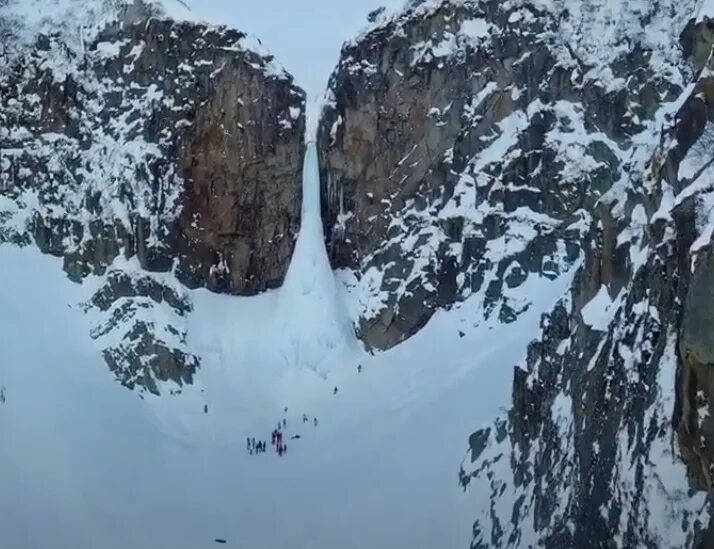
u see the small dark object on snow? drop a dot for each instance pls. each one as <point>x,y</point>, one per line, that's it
<point>286,409</point>
<point>219,540</point>
<point>335,391</point>
<point>205,408</point>
<point>285,423</point>
<point>294,437</point>
<point>315,422</point>
<point>461,334</point>
<point>359,368</point>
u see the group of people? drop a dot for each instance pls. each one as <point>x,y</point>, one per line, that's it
<point>255,447</point>
<point>277,441</point>
<point>276,438</point>
<point>260,446</point>
<point>305,419</point>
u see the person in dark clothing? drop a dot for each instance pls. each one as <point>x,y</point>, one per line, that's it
<point>247,443</point>
<point>315,422</point>
<point>252,441</point>
<point>304,418</point>
<point>359,368</point>
<point>285,448</point>
<point>272,438</point>
<point>285,423</point>
<point>335,391</point>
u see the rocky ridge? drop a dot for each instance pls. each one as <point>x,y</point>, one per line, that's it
<point>465,148</point>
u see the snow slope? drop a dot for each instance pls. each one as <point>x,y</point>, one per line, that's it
<point>95,461</point>
<point>84,463</point>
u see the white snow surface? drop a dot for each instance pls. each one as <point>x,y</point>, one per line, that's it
<point>379,470</point>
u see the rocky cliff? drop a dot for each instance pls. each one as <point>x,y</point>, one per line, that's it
<point>464,150</point>
<point>132,142</point>
<point>470,146</point>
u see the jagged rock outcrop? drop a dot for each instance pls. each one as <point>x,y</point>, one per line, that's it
<point>608,442</point>
<point>170,142</point>
<point>464,151</point>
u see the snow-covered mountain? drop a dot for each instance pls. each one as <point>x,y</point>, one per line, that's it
<point>127,135</point>
<point>506,221</point>
<point>469,147</point>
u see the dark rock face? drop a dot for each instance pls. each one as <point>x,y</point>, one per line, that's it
<point>184,146</point>
<point>173,144</point>
<point>609,439</point>
<point>464,151</point>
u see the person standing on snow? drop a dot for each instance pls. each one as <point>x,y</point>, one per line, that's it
<point>285,423</point>
<point>359,368</point>
<point>315,422</point>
